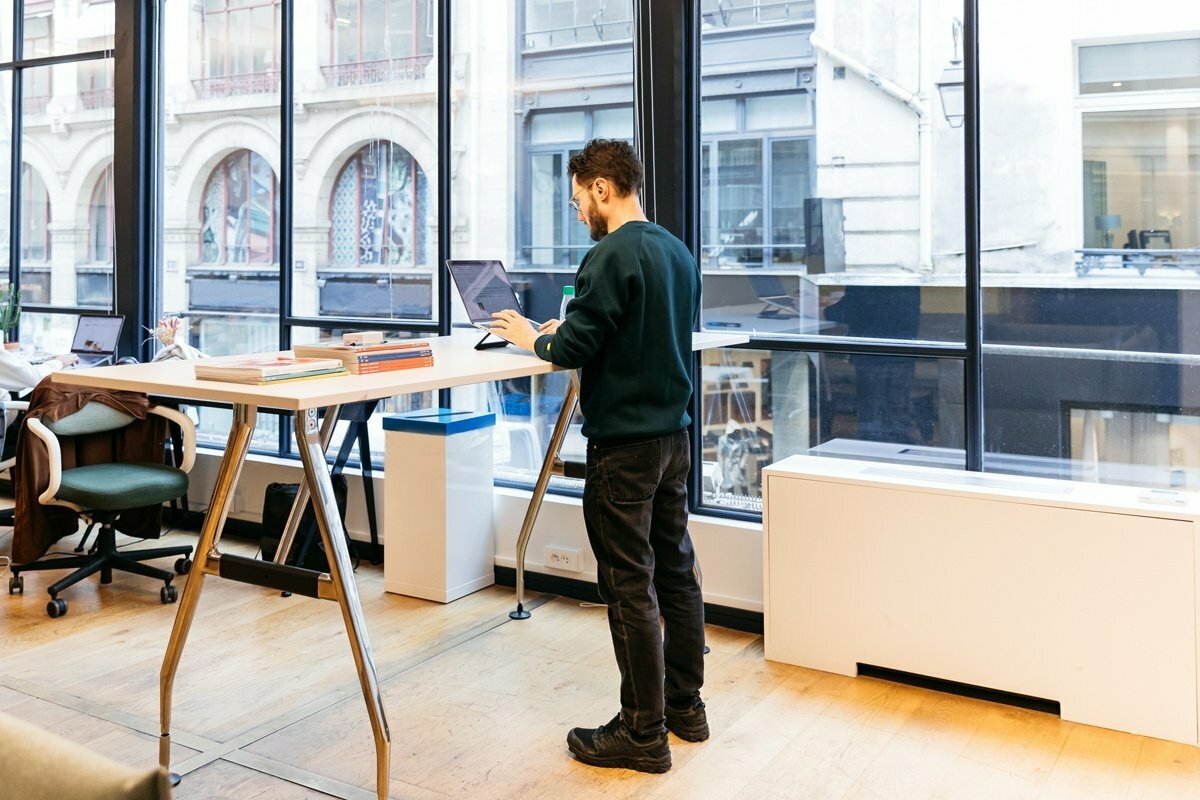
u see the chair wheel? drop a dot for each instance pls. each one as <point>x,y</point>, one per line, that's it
<point>168,594</point>
<point>183,566</point>
<point>16,584</point>
<point>56,608</point>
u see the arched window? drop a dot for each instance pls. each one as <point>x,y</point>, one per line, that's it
<point>35,216</point>
<point>100,220</point>
<point>379,209</point>
<point>237,219</point>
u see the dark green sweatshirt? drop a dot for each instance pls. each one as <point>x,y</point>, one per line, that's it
<point>637,300</point>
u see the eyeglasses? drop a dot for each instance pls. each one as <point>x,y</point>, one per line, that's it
<point>573,202</point>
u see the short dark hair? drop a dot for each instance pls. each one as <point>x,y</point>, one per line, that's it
<point>612,159</point>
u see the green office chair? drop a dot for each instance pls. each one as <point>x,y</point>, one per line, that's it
<point>100,492</point>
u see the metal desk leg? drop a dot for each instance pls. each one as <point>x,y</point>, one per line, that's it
<point>244,418</point>
<point>549,463</point>
<point>301,502</point>
<point>312,452</point>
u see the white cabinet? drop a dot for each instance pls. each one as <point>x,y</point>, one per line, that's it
<point>1078,593</point>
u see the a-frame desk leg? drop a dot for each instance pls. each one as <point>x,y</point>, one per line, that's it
<point>551,465</point>
<point>312,453</point>
<point>338,584</point>
<point>244,418</point>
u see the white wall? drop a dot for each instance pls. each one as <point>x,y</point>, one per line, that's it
<point>730,553</point>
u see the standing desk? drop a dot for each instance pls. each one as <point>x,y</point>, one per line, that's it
<point>456,363</point>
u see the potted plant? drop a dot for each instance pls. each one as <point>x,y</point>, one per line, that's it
<point>10,315</point>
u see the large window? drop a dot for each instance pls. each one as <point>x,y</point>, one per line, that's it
<point>817,226</point>
<point>362,245</point>
<point>63,237</point>
<point>1093,262</point>
<point>831,211</point>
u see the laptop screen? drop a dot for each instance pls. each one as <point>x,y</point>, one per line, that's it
<point>484,288</point>
<point>97,334</point>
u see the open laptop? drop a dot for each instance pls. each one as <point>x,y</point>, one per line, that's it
<point>96,337</point>
<point>485,289</point>
<point>777,303</point>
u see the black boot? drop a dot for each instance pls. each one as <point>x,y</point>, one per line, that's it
<point>615,745</point>
<point>689,723</point>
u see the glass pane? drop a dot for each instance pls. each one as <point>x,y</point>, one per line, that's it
<point>56,29</point>
<point>513,171</point>
<point>66,201</point>
<point>1142,176</point>
<point>46,333</point>
<point>1140,66</point>
<point>366,201</point>
<point>612,123</point>
<point>778,111</point>
<point>568,126</point>
<point>547,214</point>
<point>740,201</point>
<point>5,180</point>
<point>761,406</point>
<point>6,31</point>
<point>220,250</point>
<point>1090,265</point>
<point>804,206</point>
<point>719,116</point>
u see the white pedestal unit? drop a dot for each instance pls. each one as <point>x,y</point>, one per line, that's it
<point>439,539</point>
<point>1080,593</point>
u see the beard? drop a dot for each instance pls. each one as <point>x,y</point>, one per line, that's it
<point>597,225</point>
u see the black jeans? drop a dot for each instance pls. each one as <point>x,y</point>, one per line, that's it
<point>635,507</point>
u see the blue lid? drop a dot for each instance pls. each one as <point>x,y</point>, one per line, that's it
<point>439,421</point>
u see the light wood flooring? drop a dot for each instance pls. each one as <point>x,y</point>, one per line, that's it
<point>267,706</point>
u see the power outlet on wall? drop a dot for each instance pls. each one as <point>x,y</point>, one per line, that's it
<point>562,558</point>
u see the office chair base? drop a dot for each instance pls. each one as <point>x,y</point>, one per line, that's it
<point>105,560</point>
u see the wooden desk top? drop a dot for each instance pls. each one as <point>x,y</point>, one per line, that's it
<point>456,363</point>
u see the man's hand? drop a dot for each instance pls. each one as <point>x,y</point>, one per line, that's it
<point>514,328</point>
<point>67,359</point>
<point>549,326</point>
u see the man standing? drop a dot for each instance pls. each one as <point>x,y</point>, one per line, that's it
<point>629,329</point>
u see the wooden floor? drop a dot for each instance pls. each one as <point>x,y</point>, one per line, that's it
<point>267,706</point>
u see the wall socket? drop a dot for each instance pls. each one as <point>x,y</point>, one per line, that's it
<point>562,558</point>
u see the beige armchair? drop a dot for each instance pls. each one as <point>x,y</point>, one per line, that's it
<point>38,765</point>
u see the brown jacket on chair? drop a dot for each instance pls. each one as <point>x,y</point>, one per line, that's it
<point>38,527</point>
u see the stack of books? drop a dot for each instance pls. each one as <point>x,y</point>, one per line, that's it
<point>365,359</point>
<point>267,369</point>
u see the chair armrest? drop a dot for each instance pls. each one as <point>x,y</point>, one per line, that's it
<point>51,441</point>
<point>189,433</point>
<point>17,405</point>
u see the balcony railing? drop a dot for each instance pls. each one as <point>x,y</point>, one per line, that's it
<point>34,103</point>
<point>388,70</point>
<point>237,85</point>
<point>96,98</point>
<point>597,31</point>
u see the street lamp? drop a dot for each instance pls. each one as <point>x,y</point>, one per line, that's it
<point>950,84</point>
